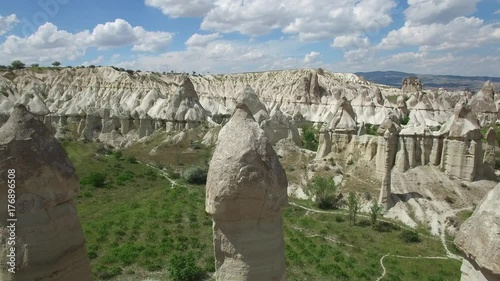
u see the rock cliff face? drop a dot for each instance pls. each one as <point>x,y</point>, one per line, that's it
<point>49,238</point>
<point>246,191</point>
<point>479,239</point>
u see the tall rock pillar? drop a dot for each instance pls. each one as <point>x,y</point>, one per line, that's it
<point>246,192</point>
<point>49,243</point>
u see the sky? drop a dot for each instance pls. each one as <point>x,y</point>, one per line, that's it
<point>456,37</point>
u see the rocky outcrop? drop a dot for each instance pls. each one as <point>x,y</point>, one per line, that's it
<point>386,154</point>
<point>279,126</point>
<point>251,100</point>
<point>483,104</point>
<point>462,148</point>
<point>246,191</point>
<point>479,239</point>
<point>49,239</point>
<point>489,159</point>
<point>411,85</point>
<point>181,111</point>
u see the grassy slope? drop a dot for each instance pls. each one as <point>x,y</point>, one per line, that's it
<point>133,229</point>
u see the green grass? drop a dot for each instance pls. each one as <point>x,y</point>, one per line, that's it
<point>137,222</point>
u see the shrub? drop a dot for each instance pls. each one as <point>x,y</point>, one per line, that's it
<point>17,64</point>
<point>132,160</point>
<point>94,179</point>
<point>195,144</point>
<point>339,218</point>
<point>323,190</point>
<point>310,139</point>
<point>151,174</point>
<point>410,236</point>
<point>383,226</point>
<point>405,120</point>
<point>106,272</point>
<point>184,268</point>
<point>354,206</point>
<point>371,129</point>
<point>364,223</point>
<point>118,155</point>
<point>375,212</point>
<point>196,175</point>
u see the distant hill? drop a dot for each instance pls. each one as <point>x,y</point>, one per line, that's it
<point>394,78</point>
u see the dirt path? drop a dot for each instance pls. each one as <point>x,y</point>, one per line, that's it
<point>162,173</point>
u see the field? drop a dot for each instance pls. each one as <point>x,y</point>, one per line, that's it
<point>137,220</point>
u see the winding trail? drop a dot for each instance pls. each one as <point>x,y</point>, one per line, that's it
<point>442,236</point>
<point>162,173</point>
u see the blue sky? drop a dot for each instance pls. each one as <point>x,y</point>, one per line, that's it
<point>460,37</point>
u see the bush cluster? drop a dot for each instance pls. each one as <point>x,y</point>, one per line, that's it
<point>196,175</point>
<point>323,189</point>
<point>184,268</point>
<point>310,138</point>
<point>94,179</point>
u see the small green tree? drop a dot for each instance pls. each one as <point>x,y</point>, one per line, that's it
<point>17,64</point>
<point>310,137</point>
<point>405,120</point>
<point>353,204</point>
<point>56,64</point>
<point>323,190</point>
<point>35,65</point>
<point>375,212</point>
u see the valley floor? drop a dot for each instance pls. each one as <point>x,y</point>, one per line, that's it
<point>139,220</point>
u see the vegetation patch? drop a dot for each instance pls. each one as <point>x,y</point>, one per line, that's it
<point>153,230</point>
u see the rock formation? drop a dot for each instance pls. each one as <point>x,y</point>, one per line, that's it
<point>49,239</point>
<point>279,126</point>
<point>479,239</point>
<point>489,159</point>
<point>411,85</point>
<point>182,111</point>
<point>386,155</point>
<point>483,104</point>
<point>246,191</point>
<point>251,100</point>
<point>462,148</point>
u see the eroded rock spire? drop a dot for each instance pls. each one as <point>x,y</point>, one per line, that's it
<point>49,238</point>
<point>246,192</point>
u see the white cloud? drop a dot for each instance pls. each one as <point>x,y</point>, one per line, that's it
<point>120,33</point>
<point>222,56</point>
<point>460,33</point>
<point>182,8</point>
<point>311,20</point>
<point>49,43</point>
<point>151,41</point>
<point>199,40</point>
<point>432,11</point>
<point>45,45</point>
<point>7,23</point>
<point>113,34</point>
<point>497,12</point>
<point>347,41</point>
<point>312,56</point>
